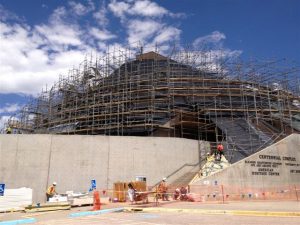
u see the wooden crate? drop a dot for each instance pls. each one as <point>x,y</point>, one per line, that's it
<point>120,191</point>
<point>139,185</point>
<point>121,188</point>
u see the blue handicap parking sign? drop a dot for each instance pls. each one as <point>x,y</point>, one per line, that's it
<point>2,188</point>
<point>93,184</point>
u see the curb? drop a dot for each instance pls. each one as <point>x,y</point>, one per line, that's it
<point>14,222</point>
<point>98,212</point>
<point>229,212</point>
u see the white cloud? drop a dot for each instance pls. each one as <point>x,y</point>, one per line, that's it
<point>143,21</point>
<point>37,55</point>
<point>118,8</point>
<point>142,30</point>
<point>9,108</point>
<point>58,15</point>
<point>213,51</point>
<point>225,53</point>
<point>144,8</point>
<point>167,34</point>
<point>149,32</point>
<point>7,15</point>
<point>214,38</point>
<point>80,9</point>
<point>60,34</point>
<point>32,56</point>
<point>210,60</point>
<point>101,17</point>
<point>147,8</point>
<point>102,35</point>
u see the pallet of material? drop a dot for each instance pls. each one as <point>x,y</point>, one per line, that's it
<point>87,200</point>
<point>15,199</point>
<point>82,201</point>
<point>48,207</point>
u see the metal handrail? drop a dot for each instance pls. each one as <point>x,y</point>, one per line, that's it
<point>180,168</point>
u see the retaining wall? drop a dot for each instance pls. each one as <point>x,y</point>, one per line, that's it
<point>35,161</point>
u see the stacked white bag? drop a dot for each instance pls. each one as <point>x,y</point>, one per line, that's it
<point>15,199</point>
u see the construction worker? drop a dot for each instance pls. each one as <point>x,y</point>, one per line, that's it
<point>162,189</point>
<point>220,151</point>
<point>183,194</point>
<point>8,130</point>
<point>131,193</point>
<point>51,191</point>
<point>176,194</point>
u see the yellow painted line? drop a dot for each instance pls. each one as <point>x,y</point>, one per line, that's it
<point>27,217</point>
<point>175,210</point>
<point>265,213</point>
<point>206,211</point>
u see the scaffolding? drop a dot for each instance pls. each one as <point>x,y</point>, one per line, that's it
<point>183,93</point>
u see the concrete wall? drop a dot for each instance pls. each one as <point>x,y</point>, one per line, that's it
<point>276,166</point>
<point>36,161</point>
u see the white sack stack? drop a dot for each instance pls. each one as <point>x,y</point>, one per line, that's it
<point>15,199</point>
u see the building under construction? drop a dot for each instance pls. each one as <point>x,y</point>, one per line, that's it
<point>187,94</point>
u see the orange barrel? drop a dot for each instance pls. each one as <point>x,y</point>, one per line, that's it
<point>96,202</point>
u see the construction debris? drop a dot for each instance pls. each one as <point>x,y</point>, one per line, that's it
<point>58,198</point>
<point>79,199</point>
<point>212,166</point>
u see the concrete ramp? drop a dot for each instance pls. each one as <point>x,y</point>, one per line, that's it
<point>274,166</point>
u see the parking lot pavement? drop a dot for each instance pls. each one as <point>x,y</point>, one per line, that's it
<point>266,206</point>
<point>170,218</point>
<point>177,213</point>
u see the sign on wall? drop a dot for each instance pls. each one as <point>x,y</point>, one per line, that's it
<point>93,184</point>
<point>270,165</point>
<point>2,188</point>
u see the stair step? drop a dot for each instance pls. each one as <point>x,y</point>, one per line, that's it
<point>184,180</point>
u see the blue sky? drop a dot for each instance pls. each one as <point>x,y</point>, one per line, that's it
<point>41,39</point>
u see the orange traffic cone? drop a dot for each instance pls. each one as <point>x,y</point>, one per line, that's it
<point>97,203</point>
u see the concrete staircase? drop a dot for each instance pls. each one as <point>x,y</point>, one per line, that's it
<point>182,181</point>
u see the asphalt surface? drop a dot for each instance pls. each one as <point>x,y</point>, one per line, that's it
<point>264,212</point>
<point>170,218</point>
